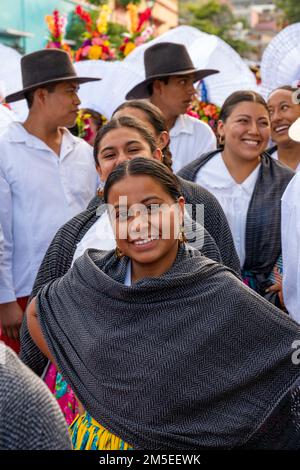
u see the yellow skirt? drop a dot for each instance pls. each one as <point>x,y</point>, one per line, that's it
<point>88,434</point>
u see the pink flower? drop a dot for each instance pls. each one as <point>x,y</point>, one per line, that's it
<point>85,51</point>
<point>97,42</point>
<point>192,113</point>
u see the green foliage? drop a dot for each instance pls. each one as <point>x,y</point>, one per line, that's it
<point>124,3</point>
<point>213,18</point>
<point>76,27</point>
<point>115,32</point>
<point>97,2</point>
<point>291,10</point>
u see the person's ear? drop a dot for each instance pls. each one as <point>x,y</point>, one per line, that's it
<point>98,169</point>
<point>40,95</point>
<point>221,132</point>
<point>157,86</point>
<point>181,204</point>
<point>157,154</point>
<point>163,139</point>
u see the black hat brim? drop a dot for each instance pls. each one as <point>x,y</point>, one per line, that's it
<point>20,95</point>
<point>141,91</point>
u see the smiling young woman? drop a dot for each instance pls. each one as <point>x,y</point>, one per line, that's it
<point>161,344</point>
<point>249,184</point>
<point>122,139</point>
<point>283,113</point>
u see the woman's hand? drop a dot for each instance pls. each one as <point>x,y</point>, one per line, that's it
<point>277,288</point>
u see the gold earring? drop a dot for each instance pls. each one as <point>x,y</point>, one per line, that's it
<point>221,139</point>
<point>100,191</point>
<point>118,252</point>
<point>182,236</point>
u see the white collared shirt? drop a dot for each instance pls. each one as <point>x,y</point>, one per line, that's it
<point>190,138</point>
<point>275,156</point>
<point>6,117</point>
<point>1,244</point>
<point>39,192</point>
<point>290,239</point>
<point>233,197</point>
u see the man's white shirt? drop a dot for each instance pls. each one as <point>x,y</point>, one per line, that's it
<point>190,138</point>
<point>39,192</point>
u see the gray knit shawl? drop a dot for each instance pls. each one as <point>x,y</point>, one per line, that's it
<point>190,359</point>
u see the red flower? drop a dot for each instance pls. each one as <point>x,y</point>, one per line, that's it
<point>143,17</point>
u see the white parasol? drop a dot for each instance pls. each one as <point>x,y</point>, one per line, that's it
<point>206,51</point>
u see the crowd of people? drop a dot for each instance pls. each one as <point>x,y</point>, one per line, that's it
<point>149,273</point>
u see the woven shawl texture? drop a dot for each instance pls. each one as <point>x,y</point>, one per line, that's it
<point>30,418</point>
<point>263,227</point>
<point>190,359</point>
<point>218,246</point>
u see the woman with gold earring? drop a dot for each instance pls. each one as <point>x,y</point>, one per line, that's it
<point>158,361</point>
<point>123,139</point>
<point>249,185</point>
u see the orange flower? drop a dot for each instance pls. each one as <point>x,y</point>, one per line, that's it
<point>130,46</point>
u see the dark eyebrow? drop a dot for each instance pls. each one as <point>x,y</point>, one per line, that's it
<point>149,198</point>
<point>248,116</point>
<point>144,201</point>
<point>127,143</point>
<point>280,103</point>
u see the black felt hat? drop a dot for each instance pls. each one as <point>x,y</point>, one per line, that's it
<point>43,68</point>
<point>165,59</point>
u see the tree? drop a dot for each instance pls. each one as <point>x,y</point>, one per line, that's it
<point>291,10</point>
<point>213,18</point>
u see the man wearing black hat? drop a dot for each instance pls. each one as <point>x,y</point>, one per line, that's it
<point>46,177</point>
<point>169,84</point>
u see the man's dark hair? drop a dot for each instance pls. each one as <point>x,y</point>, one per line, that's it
<point>165,80</point>
<point>29,96</point>
<point>140,166</point>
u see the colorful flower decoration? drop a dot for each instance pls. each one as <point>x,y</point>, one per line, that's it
<point>57,27</point>
<point>96,44</point>
<point>138,32</point>
<point>83,123</point>
<point>207,112</point>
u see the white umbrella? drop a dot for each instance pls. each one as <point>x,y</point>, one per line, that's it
<point>281,60</point>
<point>10,75</point>
<point>206,51</point>
<point>91,93</point>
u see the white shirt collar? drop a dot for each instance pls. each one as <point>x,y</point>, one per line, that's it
<point>18,134</point>
<point>223,179</point>
<point>183,124</point>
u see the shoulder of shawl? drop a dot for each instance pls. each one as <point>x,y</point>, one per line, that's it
<point>189,171</point>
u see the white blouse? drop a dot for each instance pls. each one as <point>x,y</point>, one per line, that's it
<point>99,236</point>
<point>233,197</point>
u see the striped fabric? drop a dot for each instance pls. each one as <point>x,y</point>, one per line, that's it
<point>88,434</point>
<point>191,359</point>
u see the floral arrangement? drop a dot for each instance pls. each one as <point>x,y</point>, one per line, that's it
<point>83,124</point>
<point>57,27</point>
<point>138,32</point>
<point>207,112</point>
<point>98,40</point>
<point>96,44</point>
